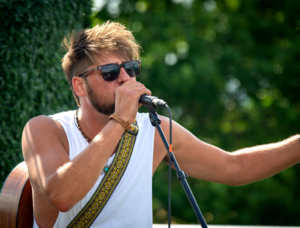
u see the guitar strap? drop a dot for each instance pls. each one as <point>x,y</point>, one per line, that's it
<point>94,206</point>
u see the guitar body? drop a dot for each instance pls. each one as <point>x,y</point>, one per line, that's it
<point>16,208</point>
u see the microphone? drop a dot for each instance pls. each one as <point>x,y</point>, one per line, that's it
<point>151,101</point>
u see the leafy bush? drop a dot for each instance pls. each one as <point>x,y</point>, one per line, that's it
<point>31,79</point>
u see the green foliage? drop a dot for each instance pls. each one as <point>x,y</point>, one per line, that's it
<point>31,79</point>
<point>230,72</point>
<point>228,69</point>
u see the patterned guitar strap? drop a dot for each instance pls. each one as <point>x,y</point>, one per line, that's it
<point>94,206</point>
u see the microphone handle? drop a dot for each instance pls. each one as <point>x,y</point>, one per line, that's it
<point>151,101</point>
<point>146,99</point>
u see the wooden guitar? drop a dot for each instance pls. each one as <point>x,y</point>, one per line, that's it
<point>16,199</point>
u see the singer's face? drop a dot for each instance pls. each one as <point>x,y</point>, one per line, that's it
<point>101,93</point>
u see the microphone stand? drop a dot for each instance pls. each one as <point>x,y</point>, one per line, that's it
<point>155,121</point>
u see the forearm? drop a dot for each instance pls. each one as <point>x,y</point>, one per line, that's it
<point>259,162</point>
<point>73,180</point>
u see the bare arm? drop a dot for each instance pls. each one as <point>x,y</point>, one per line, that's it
<point>204,161</point>
<point>62,181</point>
<point>259,162</point>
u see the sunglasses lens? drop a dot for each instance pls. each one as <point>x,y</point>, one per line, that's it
<point>132,68</point>
<point>110,72</point>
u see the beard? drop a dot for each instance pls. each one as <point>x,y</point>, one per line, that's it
<point>102,107</point>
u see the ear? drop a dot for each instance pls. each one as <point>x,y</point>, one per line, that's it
<point>79,86</point>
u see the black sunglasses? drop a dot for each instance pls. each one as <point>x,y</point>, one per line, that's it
<point>112,71</point>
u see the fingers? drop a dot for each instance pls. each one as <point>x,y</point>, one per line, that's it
<point>134,88</point>
<point>127,99</point>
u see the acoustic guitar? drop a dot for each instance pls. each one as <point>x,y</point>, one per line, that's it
<point>16,199</point>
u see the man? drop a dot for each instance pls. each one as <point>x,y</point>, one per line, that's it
<point>91,167</point>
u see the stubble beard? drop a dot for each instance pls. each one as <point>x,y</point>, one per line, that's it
<point>102,107</point>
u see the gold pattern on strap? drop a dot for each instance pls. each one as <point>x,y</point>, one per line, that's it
<point>91,210</point>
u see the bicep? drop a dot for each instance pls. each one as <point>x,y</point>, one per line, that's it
<point>43,150</point>
<point>199,159</point>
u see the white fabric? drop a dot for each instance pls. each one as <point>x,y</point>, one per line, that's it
<point>34,224</point>
<point>130,205</point>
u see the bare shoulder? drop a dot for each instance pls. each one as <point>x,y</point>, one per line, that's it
<point>179,133</point>
<point>38,130</point>
<point>40,124</point>
<point>44,146</point>
<point>197,158</point>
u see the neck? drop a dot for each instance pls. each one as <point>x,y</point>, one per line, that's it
<point>91,121</point>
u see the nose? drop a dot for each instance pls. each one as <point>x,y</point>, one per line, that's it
<point>123,77</point>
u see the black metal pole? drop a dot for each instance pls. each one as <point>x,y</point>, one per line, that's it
<point>155,121</point>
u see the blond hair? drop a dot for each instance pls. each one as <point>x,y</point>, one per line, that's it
<point>110,37</point>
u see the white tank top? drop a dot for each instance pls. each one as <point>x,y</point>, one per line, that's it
<point>130,205</point>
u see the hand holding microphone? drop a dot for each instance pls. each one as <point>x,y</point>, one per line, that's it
<point>129,90</point>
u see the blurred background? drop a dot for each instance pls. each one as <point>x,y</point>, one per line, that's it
<point>229,70</point>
